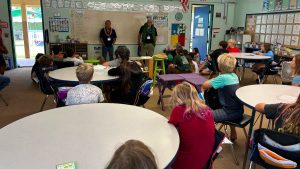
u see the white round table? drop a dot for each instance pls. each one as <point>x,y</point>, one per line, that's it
<point>87,134</point>
<point>267,93</point>
<point>69,74</point>
<point>264,93</point>
<point>249,56</point>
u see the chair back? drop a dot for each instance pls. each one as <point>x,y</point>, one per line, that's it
<point>41,73</point>
<point>285,145</point>
<point>144,93</point>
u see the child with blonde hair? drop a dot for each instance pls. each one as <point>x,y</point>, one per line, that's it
<point>231,48</point>
<point>226,83</point>
<point>133,154</point>
<point>195,125</point>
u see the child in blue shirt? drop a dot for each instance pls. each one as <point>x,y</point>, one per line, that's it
<point>295,65</point>
<point>226,83</point>
<point>265,50</point>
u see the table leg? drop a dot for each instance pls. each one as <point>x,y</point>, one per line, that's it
<point>243,73</point>
<point>248,138</point>
<point>161,90</point>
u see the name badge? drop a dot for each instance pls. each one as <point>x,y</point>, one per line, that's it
<point>109,39</point>
<point>148,37</point>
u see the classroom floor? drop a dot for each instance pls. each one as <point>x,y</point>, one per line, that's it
<point>24,98</point>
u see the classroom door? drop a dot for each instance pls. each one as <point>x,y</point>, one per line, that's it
<point>201,28</point>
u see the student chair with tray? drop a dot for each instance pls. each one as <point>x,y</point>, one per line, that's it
<point>275,150</point>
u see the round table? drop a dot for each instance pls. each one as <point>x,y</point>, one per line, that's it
<point>69,74</point>
<point>267,93</point>
<point>264,93</point>
<point>88,134</point>
<point>249,56</point>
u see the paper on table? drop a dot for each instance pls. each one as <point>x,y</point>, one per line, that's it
<point>226,141</point>
<point>287,99</point>
<point>100,67</point>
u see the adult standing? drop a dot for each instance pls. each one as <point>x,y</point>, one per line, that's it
<point>108,38</point>
<point>147,38</point>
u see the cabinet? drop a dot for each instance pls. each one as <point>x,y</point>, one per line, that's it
<point>80,48</point>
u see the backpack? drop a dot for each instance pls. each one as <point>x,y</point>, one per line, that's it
<point>211,98</point>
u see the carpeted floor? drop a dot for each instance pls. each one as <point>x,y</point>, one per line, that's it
<point>24,98</point>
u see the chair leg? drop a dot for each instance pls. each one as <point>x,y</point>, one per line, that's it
<point>261,120</point>
<point>4,101</point>
<point>252,165</point>
<point>231,146</point>
<point>43,104</point>
<point>274,79</point>
<point>222,125</point>
<point>245,132</point>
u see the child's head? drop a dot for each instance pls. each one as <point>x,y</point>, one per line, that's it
<point>295,65</point>
<point>223,44</point>
<point>133,154</point>
<point>123,53</point>
<point>266,47</point>
<point>231,43</point>
<point>226,63</point>
<point>38,56</point>
<point>195,50</point>
<point>70,52</point>
<point>84,73</point>
<point>45,61</point>
<point>187,95</point>
<point>179,51</point>
<point>56,49</point>
<point>291,118</point>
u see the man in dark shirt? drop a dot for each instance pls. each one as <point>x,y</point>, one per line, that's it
<point>108,38</point>
<point>147,38</point>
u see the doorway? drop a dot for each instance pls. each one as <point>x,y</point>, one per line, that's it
<point>27,24</point>
<point>201,28</point>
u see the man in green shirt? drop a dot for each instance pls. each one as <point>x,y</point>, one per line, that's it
<point>147,38</point>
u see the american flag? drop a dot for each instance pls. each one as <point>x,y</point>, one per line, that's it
<point>185,4</point>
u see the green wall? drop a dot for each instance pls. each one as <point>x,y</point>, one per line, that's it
<point>244,7</point>
<point>217,22</point>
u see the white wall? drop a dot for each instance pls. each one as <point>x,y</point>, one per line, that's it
<point>244,7</point>
<point>187,17</point>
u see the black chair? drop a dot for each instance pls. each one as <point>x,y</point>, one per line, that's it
<point>282,139</point>
<point>142,95</point>
<point>242,123</point>
<point>269,70</point>
<point>62,64</point>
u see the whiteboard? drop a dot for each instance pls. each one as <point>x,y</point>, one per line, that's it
<point>86,26</point>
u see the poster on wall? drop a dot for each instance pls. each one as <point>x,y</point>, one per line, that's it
<point>178,34</point>
<point>266,5</point>
<point>271,5</point>
<point>160,21</point>
<point>278,5</point>
<point>293,4</point>
<point>59,24</point>
<point>295,41</point>
<point>285,4</point>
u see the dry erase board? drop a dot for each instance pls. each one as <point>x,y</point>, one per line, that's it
<point>87,25</point>
<point>281,27</point>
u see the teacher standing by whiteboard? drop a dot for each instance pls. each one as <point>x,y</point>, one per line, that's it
<point>108,38</point>
<point>147,38</point>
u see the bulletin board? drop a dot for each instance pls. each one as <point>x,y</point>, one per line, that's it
<point>86,25</point>
<point>280,27</point>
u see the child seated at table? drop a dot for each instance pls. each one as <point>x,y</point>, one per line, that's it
<point>133,154</point>
<point>70,56</point>
<point>211,62</point>
<point>195,125</point>
<point>226,83</point>
<point>295,65</point>
<point>84,93</point>
<point>122,55</point>
<point>286,116</point>
<point>231,48</point>
<point>265,50</point>
<point>131,78</point>
<point>180,63</point>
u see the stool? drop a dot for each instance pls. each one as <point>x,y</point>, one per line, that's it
<point>94,62</point>
<point>157,69</point>
<point>239,124</point>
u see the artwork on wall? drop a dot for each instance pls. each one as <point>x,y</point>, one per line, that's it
<point>178,34</point>
<point>280,5</point>
<point>59,24</point>
<point>160,21</point>
<point>282,28</point>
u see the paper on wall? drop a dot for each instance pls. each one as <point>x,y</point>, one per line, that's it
<point>263,29</point>
<point>296,29</point>
<point>290,18</point>
<point>264,19</point>
<point>287,40</point>
<point>200,20</point>
<point>199,32</point>
<point>297,18</point>
<point>276,18</point>
<point>274,39</point>
<point>275,29</point>
<point>288,29</point>
<point>262,38</point>
<point>267,38</point>
<point>270,19</point>
<point>281,29</point>
<point>283,18</point>
<point>258,19</point>
<point>280,39</point>
<point>269,29</point>
<point>295,41</point>
<point>257,29</point>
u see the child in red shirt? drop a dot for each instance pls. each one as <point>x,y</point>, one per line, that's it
<point>231,48</point>
<point>195,124</point>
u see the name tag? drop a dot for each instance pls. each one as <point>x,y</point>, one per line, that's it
<point>109,39</point>
<point>148,37</point>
